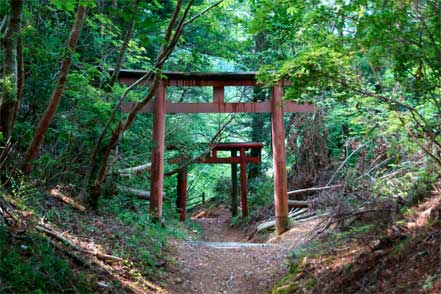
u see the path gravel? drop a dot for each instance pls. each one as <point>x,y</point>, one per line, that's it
<point>214,269</point>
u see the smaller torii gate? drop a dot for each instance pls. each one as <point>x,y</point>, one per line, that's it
<point>213,158</point>
<point>160,106</point>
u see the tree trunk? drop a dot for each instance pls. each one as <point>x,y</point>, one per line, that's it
<point>20,80</point>
<point>122,52</point>
<point>51,109</point>
<point>9,75</point>
<point>171,38</point>
<point>258,119</point>
<point>257,133</point>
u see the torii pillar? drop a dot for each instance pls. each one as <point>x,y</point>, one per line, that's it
<point>157,175</point>
<point>279,160</point>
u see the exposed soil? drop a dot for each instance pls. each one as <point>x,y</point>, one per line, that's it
<point>405,259</point>
<point>209,270</point>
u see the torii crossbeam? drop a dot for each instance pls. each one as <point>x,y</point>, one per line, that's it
<point>159,106</point>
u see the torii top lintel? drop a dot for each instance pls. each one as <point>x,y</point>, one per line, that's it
<point>217,80</point>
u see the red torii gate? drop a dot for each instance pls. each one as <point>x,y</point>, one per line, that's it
<point>159,106</point>
<point>213,158</point>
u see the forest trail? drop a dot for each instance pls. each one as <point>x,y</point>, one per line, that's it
<point>210,270</point>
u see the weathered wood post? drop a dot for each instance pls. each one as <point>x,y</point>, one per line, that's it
<point>183,193</point>
<point>157,172</point>
<point>178,192</point>
<point>279,160</point>
<point>243,182</point>
<point>234,185</point>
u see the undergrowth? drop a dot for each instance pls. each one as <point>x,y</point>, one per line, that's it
<point>147,240</point>
<point>33,265</point>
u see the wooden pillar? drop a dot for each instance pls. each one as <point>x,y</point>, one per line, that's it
<point>157,172</point>
<point>183,175</point>
<point>218,95</point>
<point>234,185</point>
<point>243,182</point>
<point>279,160</point>
<point>178,192</point>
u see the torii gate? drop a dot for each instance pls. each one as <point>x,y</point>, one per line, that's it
<point>160,106</point>
<point>213,158</point>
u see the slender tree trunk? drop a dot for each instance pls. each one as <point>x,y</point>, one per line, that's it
<point>122,52</point>
<point>172,35</point>
<point>257,133</point>
<point>51,109</point>
<point>20,80</point>
<point>258,119</point>
<point>9,75</point>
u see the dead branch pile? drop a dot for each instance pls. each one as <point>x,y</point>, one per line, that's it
<point>367,187</point>
<point>306,141</point>
<point>295,215</point>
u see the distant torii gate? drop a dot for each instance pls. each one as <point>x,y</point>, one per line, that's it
<point>213,158</point>
<point>159,106</point>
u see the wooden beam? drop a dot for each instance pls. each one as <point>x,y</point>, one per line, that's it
<point>249,107</point>
<point>157,171</point>
<point>279,160</point>
<point>238,145</point>
<point>198,79</point>
<point>230,160</point>
<point>211,160</point>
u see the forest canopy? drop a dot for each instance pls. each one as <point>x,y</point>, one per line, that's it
<point>372,69</point>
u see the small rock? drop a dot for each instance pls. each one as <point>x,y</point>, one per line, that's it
<point>178,280</point>
<point>247,274</point>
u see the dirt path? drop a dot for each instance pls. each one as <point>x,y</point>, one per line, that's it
<point>209,270</point>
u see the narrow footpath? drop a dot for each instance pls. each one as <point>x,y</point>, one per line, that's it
<point>206,266</point>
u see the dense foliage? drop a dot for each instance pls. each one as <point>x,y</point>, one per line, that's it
<point>372,67</point>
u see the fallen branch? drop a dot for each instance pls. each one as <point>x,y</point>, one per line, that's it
<point>298,203</point>
<point>57,194</point>
<point>312,189</point>
<point>337,218</point>
<point>58,236</point>
<point>296,214</point>
<point>344,162</point>
<point>142,194</point>
<point>135,170</point>
<point>313,216</point>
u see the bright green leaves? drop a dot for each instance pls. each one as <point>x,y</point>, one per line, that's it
<point>69,5</point>
<point>311,70</point>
